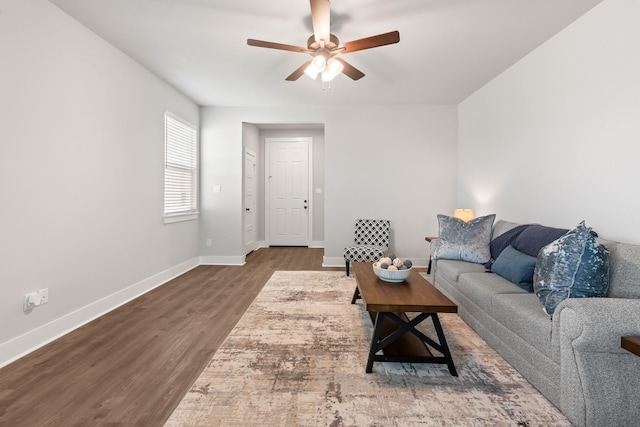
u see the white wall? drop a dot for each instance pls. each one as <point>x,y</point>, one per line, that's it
<point>556,138</point>
<point>81,176</point>
<point>390,162</point>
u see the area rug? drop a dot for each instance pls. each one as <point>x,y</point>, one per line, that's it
<point>297,358</point>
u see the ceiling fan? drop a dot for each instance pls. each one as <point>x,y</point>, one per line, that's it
<point>324,47</point>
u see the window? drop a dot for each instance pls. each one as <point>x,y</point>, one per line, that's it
<point>180,170</point>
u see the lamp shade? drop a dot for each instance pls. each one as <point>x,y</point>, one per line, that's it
<point>463,214</point>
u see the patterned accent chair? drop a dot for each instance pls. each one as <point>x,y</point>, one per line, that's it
<point>370,243</point>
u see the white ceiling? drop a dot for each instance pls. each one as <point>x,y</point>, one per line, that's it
<point>448,48</point>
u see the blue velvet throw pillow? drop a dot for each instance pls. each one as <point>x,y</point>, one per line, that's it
<point>465,241</point>
<point>516,267</point>
<point>574,266</point>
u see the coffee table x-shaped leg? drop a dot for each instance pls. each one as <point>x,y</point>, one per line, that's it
<point>404,326</point>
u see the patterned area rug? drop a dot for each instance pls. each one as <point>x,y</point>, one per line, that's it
<point>297,358</point>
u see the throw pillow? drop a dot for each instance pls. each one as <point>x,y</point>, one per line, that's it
<point>573,266</point>
<point>516,267</point>
<point>535,237</point>
<point>498,244</point>
<point>465,241</point>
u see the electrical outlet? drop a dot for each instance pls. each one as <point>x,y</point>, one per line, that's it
<point>208,242</point>
<point>44,295</point>
<point>35,299</point>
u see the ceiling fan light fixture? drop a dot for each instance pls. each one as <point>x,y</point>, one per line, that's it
<point>312,71</point>
<point>319,62</point>
<point>332,70</point>
<point>335,66</point>
<point>327,76</point>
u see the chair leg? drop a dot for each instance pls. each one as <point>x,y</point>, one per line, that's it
<point>347,267</point>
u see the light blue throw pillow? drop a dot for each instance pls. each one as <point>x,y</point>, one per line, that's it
<point>574,266</point>
<point>465,241</point>
<point>516,267</point>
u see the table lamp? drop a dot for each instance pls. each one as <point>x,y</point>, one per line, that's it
<point>463,214</point>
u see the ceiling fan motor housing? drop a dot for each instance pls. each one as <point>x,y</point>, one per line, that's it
<point>331,44</point>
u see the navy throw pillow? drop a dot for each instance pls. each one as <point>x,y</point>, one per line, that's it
<point>498,244</point>
<point>535,237</point>
<point>574,266</point>
<point>516,267</point>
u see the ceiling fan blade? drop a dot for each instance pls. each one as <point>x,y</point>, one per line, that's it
<point>369,42</point>
<point>279,46</point>
<point>349,70</point>
<point>298,72</point>
<point>321,19</point>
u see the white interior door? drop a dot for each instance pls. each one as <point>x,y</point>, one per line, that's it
<point>250,186</point>
<point>288,180</point>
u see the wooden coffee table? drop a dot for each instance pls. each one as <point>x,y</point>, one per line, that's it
<point>394,333</point>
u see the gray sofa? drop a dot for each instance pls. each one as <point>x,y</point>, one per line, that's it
<point>574,359</point>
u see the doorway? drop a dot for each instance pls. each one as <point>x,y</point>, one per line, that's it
<point>287,193</point>
<point>250,195</point>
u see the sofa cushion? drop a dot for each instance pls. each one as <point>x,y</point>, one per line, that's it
<point>482,287</point>
<point>624,269</point>
<point>499,243</point>
<point>465,241</point>
<point>575,265</point>
<point>521,314</point>
<point>535,237</point>
<point>516,267</point>
<point>452,269</point>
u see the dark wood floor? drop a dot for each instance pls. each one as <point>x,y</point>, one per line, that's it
<point>133,365</point>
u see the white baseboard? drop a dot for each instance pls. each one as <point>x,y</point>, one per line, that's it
<point>332,261</point>
<point>24,344</point>
<point>222,260</point>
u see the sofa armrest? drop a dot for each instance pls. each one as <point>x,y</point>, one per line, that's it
<point>599,380</point>
<point>596,324</point>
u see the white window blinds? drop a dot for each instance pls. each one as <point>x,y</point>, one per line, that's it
<point>180,167</point>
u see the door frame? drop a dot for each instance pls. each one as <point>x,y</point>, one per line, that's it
<point>249,249</point>
<point>267,208</point>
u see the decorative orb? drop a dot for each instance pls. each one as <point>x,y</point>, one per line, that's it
<point>386,260</point>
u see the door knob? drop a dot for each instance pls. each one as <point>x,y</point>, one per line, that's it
<point>247,209</point>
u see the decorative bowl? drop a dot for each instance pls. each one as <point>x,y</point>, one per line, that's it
<point>392,276</point>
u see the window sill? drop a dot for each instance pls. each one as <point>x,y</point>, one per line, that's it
<point>169,219</point>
